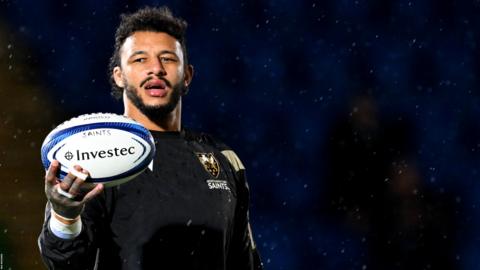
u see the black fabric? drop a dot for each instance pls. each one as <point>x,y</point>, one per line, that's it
<point>168,218</point>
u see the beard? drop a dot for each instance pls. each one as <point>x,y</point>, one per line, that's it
<point>155,112</point>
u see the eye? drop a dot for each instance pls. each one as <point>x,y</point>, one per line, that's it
<point>140,60</point>
<point>165,59</point>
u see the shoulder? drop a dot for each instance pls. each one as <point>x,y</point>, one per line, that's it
<point>227,152</point>
<point>204,138</point>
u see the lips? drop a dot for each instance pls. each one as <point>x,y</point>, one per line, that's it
<point>156,88</point>
<point>155,84</point>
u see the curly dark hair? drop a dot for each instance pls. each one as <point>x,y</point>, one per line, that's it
<point>156,19</point>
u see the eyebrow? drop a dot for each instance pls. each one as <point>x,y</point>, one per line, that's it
<point>137,53</point>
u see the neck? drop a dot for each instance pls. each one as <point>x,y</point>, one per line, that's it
<point>172,122</point>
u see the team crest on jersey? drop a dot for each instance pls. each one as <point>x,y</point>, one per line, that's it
<point>210,163</point>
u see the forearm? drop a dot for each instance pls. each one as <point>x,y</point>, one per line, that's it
<point>79,252</point>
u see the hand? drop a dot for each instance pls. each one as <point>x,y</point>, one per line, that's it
<point>80,191</point>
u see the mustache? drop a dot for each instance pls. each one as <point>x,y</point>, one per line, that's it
<point>152,77</point>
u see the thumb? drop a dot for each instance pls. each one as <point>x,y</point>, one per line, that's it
<point>51,174</point>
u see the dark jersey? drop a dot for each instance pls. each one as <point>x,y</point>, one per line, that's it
<point>190,211</point>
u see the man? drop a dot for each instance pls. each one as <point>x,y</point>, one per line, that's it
<point>189,210</point>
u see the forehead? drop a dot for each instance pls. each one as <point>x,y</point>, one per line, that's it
<point>150,42</point>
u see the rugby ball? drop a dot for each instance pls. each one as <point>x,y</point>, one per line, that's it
<point>112,148</point>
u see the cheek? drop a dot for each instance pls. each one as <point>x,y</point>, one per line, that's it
<point>133,76</point>
<point>179,72</point>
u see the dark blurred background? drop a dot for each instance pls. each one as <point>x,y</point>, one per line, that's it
<point>356,120</point>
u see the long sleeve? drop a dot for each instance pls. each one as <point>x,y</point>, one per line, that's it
<point>242,254</point>
<point>74,254</point>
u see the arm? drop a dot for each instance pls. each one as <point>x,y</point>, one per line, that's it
<point>242,253</point>
<point>67,241</point>
<point>58,253</point>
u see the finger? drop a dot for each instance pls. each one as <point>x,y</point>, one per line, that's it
<point>76,185</point>
<point>77,171</point>
<point>51,174</point>
<point>70,178</point>
<point>82,175</point>
<point>86,187</point>
<point>93,193</point>
<point>67,181</point>
<point>57,194</point>
<point>64,193</point>
<point>63,198</point>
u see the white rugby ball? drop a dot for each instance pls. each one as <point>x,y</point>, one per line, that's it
<point>112,148</point>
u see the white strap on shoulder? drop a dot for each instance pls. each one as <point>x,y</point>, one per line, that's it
<point>234,160</point>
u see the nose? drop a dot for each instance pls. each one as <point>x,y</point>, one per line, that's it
<point>157,68</point>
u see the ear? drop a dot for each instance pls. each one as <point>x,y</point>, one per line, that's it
<point>118,76</point>
<point>188,77</point>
